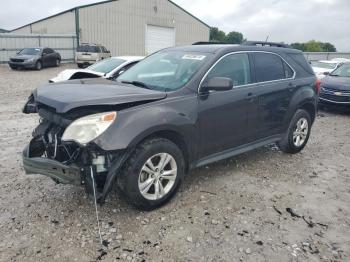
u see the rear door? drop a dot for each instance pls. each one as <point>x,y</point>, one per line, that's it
<point>225,117</point>
<point>275,78</point>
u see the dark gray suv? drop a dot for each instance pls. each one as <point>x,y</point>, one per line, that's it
<point>178,109</point>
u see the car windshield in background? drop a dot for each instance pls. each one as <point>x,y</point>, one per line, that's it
<point>168,70</point>
<point>324,65</point>
<point>343,71</point>
<point>87,49</point>
<point>30,51</point>
<point>107,65</point>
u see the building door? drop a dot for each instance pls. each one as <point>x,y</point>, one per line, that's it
<point>158,37</point>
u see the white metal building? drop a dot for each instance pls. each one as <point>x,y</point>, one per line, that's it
<point>126,27</point>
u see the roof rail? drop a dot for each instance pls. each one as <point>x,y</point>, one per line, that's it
<point>264,43</point>
<point>210,43</point>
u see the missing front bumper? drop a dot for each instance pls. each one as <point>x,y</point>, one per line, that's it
<point>65,174</point>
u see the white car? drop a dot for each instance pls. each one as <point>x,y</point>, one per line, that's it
<point>322,68</point>
<point>106,68</point>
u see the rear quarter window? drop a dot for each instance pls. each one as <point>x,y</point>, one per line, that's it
<point>268,67</point>
<point>301,61</point>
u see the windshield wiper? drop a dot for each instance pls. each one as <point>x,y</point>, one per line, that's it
<point>333,75</point>
<point>137,83</point>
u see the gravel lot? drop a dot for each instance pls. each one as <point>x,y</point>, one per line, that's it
<point>230,211</point>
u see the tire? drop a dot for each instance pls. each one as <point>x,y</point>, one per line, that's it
<point>58,61</point>
<point>38,65</point>
<point>80,65</point>
<point>298,133</point>
<point>135,174</point>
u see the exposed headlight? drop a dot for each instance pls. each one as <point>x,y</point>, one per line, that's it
<point>87,128</point>
<point>31,60</point>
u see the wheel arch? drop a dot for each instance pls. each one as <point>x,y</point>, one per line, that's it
<point>310,108</point>
<point>176,137</point>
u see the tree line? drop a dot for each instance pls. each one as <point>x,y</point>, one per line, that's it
<point>234,37</point>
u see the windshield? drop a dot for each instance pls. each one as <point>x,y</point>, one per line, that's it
<point>343,71</point>
<point>107,65</point>
<point>30,51</point>
<point>324,65</point>
<point>168,70</point>
<point>87,49</point>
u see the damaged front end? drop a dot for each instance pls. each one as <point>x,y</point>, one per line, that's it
<point>69,162</point>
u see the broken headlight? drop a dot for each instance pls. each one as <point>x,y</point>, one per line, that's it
<point>87,128</point>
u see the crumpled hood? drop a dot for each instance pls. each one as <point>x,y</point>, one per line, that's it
<point>72,94</point>
<point>336,82</point>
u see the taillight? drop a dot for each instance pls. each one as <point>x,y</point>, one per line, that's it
<point>318,86</point>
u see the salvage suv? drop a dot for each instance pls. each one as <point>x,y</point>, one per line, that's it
<point>176,110</point>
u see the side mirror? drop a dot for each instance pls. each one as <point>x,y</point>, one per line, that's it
<point>217,84</point>
<point>326,73</point>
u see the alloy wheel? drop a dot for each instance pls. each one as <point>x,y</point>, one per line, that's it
<point>301,131</point>
<point>157,176</point>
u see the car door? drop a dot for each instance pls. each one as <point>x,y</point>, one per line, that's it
<point>45,58</point>
<point>275,78</point>
<point>226,118</point>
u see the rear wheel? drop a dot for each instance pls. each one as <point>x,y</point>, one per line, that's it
<point>38,65</point>
<point>298,133</point>
<point>152,174</point>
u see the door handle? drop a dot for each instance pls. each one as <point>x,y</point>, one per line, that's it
<point>291,87</point>
<point>249,97</point>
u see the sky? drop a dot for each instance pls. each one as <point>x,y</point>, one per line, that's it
<point>282,20</point>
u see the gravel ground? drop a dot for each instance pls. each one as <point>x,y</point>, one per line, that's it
<point>229,211</point>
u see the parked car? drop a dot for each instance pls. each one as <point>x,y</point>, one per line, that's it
<point>36,58</point>
<point>176,110</point>
<point>335,88</point>
<point>107,68</point>
<point>322,68</point>
<point>88,54</point>
<point>341,59</point>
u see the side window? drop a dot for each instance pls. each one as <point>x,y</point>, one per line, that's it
<point>49,50</point>
<point>288,72</point>
<point>104,50</point>
<point>268,67</point>
<point>235,66</point>
<point>45,51</point>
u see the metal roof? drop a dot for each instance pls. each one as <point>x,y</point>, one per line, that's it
<point>100,3</point>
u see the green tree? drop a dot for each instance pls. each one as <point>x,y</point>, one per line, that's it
<point>217,35</point>
<point>328,47</point>
<point>314,46</point>
<point>299,46</point>
<point>234,38</point>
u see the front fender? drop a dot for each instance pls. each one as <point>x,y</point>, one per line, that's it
<point>133,125</point>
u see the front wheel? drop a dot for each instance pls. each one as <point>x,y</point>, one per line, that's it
<point>58,61</point>
<point>38,65</point>
<point>153,173</point>
<point>298,133</point>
